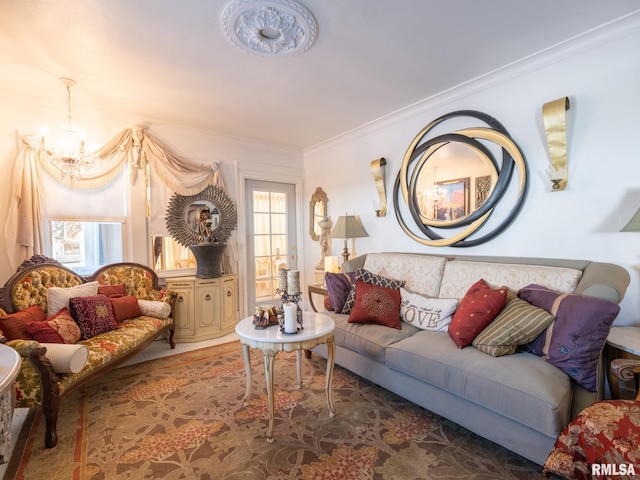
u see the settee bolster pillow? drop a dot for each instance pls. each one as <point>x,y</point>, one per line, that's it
<point>593,283</point>
<point>66,358</point>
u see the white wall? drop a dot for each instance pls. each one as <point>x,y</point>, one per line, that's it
<point>601,75</point>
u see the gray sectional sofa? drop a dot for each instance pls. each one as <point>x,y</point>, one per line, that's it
<point>519,401</point>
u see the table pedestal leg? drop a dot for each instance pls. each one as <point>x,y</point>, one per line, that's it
<point>269,357</point>
<point>247,369</point>
<point>331,351</point>
<point>299,367</point>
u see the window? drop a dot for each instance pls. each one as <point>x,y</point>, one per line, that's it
<point>86,245</point>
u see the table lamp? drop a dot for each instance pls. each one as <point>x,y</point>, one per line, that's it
<point>633,225</point>
<point>347,227</point>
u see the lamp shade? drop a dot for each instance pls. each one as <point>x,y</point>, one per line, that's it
<point>633,225</point>
<point>348,226</point>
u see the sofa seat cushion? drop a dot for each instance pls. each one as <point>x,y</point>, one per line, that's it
<point>109,346</point>
<point>460,275</point>
<point>369,340</point>
<point>521,386</point>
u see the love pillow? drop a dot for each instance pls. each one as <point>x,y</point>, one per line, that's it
<point>433,314</point>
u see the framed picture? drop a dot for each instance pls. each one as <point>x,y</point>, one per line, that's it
<point>453,202</point>
<point>483,187</point>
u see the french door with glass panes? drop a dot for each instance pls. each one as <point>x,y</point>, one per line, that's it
<point>271,242</point>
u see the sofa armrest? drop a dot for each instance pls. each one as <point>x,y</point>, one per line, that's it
<point>36,373</point>
<point>605,281</point>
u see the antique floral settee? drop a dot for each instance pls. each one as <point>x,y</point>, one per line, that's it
<point>520,375</point>
<point>127,292</point>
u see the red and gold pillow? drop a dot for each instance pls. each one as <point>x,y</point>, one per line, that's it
<point>59,328</point>
<point>376,304</point>
<point>93,314</point>
<point>479,306</point>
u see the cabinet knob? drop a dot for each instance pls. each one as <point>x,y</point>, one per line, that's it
<point>207,297</point>
<point>180,299</point>
<point>228,293</point>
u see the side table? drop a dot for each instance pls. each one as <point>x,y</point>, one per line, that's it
<point>318,329</point>
<point>10,362</point>
<point>318,289</point>
<point>622,342</point>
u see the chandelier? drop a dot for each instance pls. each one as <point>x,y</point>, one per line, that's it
<point>68,152</point>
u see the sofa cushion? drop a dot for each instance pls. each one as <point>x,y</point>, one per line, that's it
<point>519,386</point>
<point>338,288</point>
<point>421,273</point>
<point>58,297</point>
<point>480,305</point>
<point>460,275</point>
<point>518,323</point>
<point>93,314</point>
<point>368,340</point>
<point>364,275</point>
<point>575,338</point>
<point>377,305</point>
<point>426,313</point>
<point>14,326</point>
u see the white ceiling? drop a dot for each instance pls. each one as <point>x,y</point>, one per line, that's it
<point>169,61</point>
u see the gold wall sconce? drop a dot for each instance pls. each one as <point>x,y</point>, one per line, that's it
<point>378,171</point>
<point>555,125</point>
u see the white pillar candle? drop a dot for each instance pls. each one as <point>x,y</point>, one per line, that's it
<point>290,319</point>
<point>282,279</point>
<point>293,282</point>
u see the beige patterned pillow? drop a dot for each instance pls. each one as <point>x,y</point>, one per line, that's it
<point>518,323</point>
<point>420,273</point>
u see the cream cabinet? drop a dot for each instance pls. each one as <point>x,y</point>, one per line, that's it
<point>205,308</point>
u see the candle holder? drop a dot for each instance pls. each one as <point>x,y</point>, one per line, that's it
<point>286,297</point>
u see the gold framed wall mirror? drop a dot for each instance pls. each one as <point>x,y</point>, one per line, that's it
<point>317,213</point>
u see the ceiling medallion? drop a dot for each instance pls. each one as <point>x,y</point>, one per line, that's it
<point>270,28</point>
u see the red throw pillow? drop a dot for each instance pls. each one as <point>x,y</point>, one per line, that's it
<point>112,290</point>
<point>375,304</point>
<point>479,306</point>
<point>14,325</point>
<point>125,308</point>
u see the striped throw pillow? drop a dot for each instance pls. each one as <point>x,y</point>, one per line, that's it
<point>518,323</point>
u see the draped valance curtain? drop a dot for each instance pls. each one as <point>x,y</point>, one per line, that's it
<point>135,146</point>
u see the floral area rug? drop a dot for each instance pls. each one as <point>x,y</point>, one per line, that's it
<point>183,417</point>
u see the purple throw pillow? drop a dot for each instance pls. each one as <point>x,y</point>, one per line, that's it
<point>575,338</point>
<point>338,288</point>
<point>93,314</point>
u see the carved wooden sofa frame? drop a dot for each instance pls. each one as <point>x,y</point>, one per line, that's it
<point>141,281</point>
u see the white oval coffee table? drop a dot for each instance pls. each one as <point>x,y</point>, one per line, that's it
<point>318,329</point>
